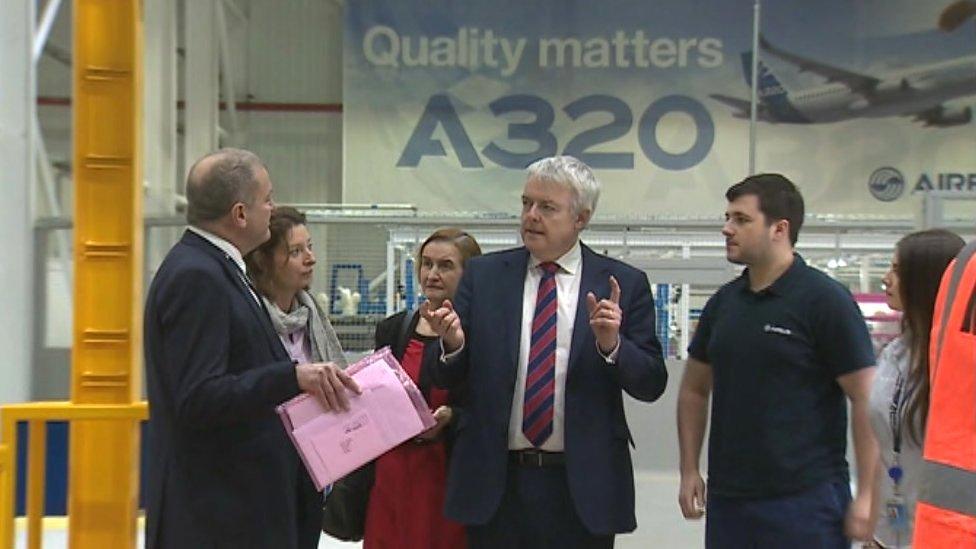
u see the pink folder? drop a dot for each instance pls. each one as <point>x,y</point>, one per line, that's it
<point>389,411</point>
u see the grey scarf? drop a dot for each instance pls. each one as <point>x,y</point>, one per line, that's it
<point>325,345</point>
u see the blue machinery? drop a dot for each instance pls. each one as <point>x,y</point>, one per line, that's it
<point>366,305</point>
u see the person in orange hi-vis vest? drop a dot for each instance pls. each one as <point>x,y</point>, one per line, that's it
<point>946,510</point>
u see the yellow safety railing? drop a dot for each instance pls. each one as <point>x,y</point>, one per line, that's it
<point>6,484</point>
<point>37,415</point>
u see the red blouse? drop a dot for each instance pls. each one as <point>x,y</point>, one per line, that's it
<point>406,505</point>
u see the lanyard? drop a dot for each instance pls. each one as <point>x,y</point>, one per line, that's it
<point>894,412</point>
<point>895,416</point>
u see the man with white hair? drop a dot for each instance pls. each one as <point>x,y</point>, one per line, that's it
<point>547,336</point>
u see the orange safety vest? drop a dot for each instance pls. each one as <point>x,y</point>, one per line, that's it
<point>945,516</point>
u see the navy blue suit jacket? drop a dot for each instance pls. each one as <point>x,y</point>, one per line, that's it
<point>222,471</point>
<point>598,465</point>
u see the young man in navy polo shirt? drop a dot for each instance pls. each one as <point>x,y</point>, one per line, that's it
<point>777,349</point>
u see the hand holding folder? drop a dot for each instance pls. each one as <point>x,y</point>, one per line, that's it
<point>389,411</point>
<point>328,383</point>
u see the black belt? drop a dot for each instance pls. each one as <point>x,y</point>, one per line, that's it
<point>536,458</point>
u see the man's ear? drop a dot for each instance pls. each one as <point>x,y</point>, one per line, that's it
<point>781,229</point>
<point>238,213</point>
<point>583,219</point>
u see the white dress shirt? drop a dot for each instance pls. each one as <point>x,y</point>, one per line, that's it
<point>567,297</point>
<point>230,251</point>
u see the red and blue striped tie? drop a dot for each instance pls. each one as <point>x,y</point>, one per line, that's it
<point>540,376</point>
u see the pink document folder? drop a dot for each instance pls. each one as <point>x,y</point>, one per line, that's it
<point>389,411</point>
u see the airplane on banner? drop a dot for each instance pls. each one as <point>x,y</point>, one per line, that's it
<point>919,92</point>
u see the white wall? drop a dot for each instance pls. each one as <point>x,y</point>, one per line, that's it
<point>294,56</point>
<point>16,132</point>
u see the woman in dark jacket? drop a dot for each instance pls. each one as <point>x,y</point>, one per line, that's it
<point>406,503</point>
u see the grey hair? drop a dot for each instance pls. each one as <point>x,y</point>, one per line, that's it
<point>569,172</point>
<point>227,180</point>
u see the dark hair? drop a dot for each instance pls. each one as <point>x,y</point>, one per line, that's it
<point>218,181</point>
<point>260,262</point>
<point>922,259</point>
<point>466,245</point>
<point>778,199</point>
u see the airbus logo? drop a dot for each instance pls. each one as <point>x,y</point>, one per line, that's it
<point>769,328</point>
<point>962,182</point>
<point>886,184</point>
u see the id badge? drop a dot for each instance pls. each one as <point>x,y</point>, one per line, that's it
<point>896,513</point>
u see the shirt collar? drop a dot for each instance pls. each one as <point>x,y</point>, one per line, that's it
<point>569,262</point>
<point>223,245</point>
<point>785,280</point>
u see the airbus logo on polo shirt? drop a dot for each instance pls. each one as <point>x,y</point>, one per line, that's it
<point>777,330</point>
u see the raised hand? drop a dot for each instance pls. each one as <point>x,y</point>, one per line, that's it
<point>605,317</point>
<point>328,383</point>
<point>446,324</point>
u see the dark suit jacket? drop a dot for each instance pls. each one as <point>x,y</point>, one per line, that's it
<point>222,471</point>
<point>598,464</point>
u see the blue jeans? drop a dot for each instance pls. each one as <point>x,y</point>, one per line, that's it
<point>812,519</point>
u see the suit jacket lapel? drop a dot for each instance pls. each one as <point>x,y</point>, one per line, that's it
<point>237,278</point>
<point>511,286</point>
<point>259,309</point>
<point>594,278</point>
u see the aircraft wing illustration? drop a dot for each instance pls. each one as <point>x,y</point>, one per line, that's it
<point>942,116</point>
<point>859,83</point>
<point>741,107</point>
<point>741,104</point>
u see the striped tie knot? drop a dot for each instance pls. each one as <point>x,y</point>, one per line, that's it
<point>549,268</point>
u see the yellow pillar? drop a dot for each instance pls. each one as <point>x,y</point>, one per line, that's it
<point>107,350</point>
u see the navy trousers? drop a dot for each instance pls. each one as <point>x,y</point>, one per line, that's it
<point>812,519</point>
<point>536,512</point>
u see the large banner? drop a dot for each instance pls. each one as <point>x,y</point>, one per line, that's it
<point>445,103</point>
